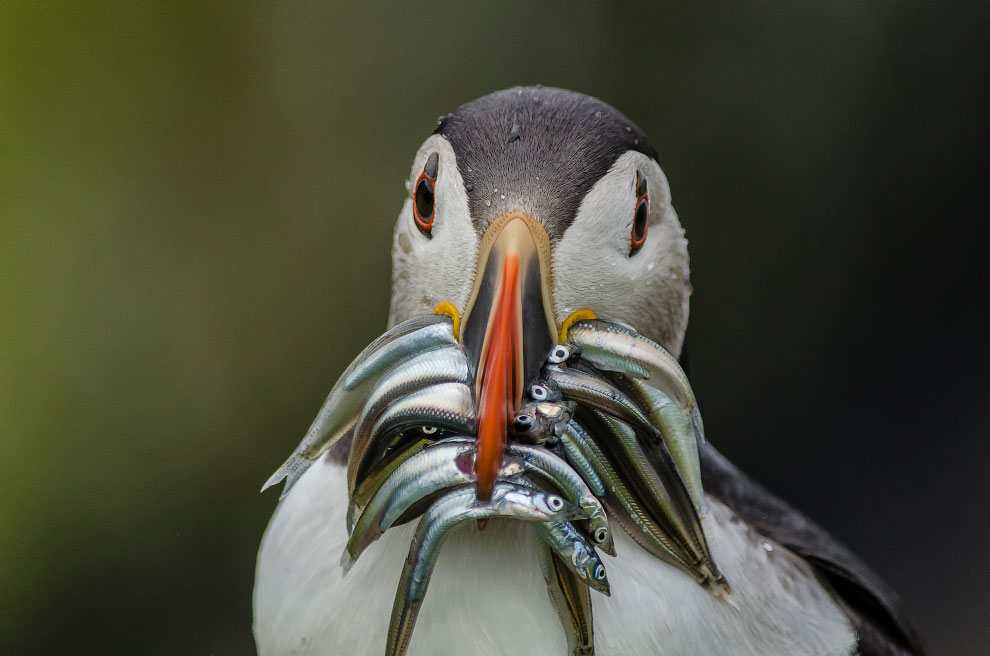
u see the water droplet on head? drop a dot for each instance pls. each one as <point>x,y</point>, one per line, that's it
<point>488,203</point>
<point>635,142</point>
<point>502,196</point>
<point>628,129</point>
<point>598,114</point>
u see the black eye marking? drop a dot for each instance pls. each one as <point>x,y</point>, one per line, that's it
<point>641,214</point>
<point>424,201</point>
<point>431,166</point>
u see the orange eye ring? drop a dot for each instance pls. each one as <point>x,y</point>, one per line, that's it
<point>641,214</point>
<point>424,196</point>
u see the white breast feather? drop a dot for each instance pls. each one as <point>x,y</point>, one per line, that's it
<point>487,596</point>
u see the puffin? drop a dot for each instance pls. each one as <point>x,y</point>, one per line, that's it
<point>571,193</point>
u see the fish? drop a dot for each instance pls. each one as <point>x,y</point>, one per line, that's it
<point>377,477</point>
<point>555,469</point>
<point>659,481</point>
<point>572,600</point>
<point>612,346</point>
<point>442,465</point>
<point>592,389</point>
<point>450,463</point>
<point>442,365</point>
<point>664,413</point>
<point>446,406</point>
<point>576,553</point>
<point>540,422</point>
<point>582,466</point>
<point>436,331</point>
<point>455,509</point>
<point>663,493</point>
<point>338,414</point>
<point>625,509</point>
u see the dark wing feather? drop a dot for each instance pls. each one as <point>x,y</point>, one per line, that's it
<point>873,609</point>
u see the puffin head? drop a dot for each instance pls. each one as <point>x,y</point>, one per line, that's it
<point>528,209</point>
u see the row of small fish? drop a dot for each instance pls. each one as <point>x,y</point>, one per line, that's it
<point>611,428</point>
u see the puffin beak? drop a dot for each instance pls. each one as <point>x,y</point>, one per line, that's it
<point>508,330</point>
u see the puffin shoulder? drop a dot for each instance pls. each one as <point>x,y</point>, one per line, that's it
<point>873,609</point>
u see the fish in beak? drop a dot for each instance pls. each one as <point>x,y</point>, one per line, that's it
<point>508,329</point>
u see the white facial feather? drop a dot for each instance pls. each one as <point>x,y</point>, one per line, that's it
<point>593,268</point>
<point>592,264</point>
<point>425,270</point>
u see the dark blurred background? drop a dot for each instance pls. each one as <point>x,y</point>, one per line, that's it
<point>196,203</point>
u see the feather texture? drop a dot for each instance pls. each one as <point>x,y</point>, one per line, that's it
<point>303,604</point>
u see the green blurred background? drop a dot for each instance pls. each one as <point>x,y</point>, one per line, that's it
<point>196,203</point>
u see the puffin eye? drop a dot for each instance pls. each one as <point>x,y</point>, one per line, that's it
<point>424,205</point>
<point>641,215</point>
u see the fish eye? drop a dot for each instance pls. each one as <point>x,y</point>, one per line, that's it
<point>641,214</point>
<point>558,354</point>
<point>539,392</point>
<point>424,205</point>
<point>600,572</point>
<point>429,430</point>
<point>601,535</point>
<point>555,503</point>
<point>523,423</point>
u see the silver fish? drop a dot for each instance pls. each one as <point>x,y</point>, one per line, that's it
<point>453,510</point>
<point>377,477</point>
<point>436,331</point>
<point>572,599</point>
<point>613,346</point>
<point>580,463</point>
<point>448,406</point>
<point>665,493</point>
<point>339,412</point>
<point>576,553</point>
<point>450,463</point>
<point>442,465</point>
<point>537,422</point>
<point>443,365</point>
<point>677,435</point>
<point>569,482</point>
<point>594,390</point>
<point>624,508</point>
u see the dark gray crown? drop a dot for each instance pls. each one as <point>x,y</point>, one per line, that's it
<point>537,149</point>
